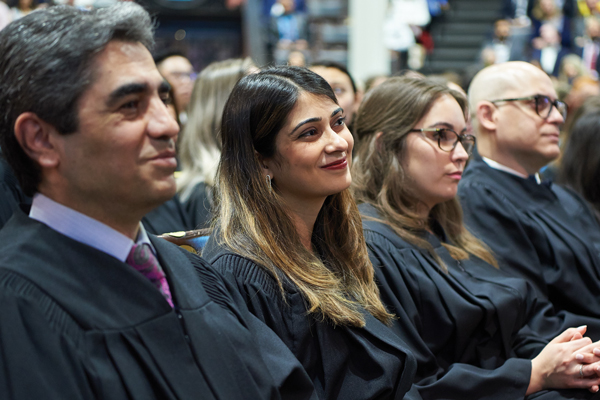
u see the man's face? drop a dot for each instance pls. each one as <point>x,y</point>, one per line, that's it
<point>179,72</point>
<point>523,135</point>
<point>122,158</point>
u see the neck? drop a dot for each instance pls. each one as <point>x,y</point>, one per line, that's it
<point>304,216</point>
<point>526,165</point>
<point>112,215</point>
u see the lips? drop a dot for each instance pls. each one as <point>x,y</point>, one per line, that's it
<point>455,175</point>
<point>166,159</point>
<point>339,164</point>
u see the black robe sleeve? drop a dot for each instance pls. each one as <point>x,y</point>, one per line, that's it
<point>36,362</point>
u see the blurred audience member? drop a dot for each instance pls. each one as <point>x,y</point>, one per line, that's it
<point>501,42</point>
<point>200,145</point>
<point>548,12</point>
<point>374,81</point>
<point>23,8</point>
<point>589,45</point>
<point>178,70</point>
<point>5,14</point>
<point>588,8</point>
<point>487,57</point>
<point>582,88</point>
<point>289,25</point>
<point>297,58</point>
<point>547,52</point>
<point>590,105</point>
<point>580,167</point>
<point>342,84</point>
<point>571,68</point>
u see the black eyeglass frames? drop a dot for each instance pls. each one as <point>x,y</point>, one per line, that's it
<point>448,139</point>
<point>543,105</point>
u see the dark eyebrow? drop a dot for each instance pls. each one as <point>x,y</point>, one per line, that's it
<point>306,121</point>
<point>448,126</point>
<point>126,90</point>
<point>315,119</point>
<point>442,124</point>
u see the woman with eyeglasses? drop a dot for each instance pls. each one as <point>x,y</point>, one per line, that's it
<point>464,319</point>
<point>288,237</point>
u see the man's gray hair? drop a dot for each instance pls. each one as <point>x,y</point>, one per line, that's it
<point>46,64</point>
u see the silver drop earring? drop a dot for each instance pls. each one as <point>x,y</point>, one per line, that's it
<point>269,182</point>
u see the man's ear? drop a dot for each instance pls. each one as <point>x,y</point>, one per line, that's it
<point>36,138</point>
<point>486,115</point>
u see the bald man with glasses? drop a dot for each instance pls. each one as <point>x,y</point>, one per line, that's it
<point>542,232</point>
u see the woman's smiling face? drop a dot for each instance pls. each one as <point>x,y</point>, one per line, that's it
<point>313,151</point>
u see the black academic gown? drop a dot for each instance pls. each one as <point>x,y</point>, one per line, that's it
<point>547,235</point>
<point>11,195</point>
<point>198,206</point>
<point>468,327</point>
<point>343,363</point>
<point>168,217</point>
<point>76,323</point>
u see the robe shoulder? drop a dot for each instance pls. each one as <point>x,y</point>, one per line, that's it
<point>198,206</point>
<point>547,236</point>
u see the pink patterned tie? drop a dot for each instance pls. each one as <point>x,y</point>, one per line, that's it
<point>141,258</point>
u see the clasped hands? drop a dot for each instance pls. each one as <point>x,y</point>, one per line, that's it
<point>569,361</point>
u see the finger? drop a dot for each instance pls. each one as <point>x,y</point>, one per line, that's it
<point>585,383</point>
<point>583,346</point>
<point>586,358</point>
<point>594,389</point>
<point>588,371</point>
<point>568,334</point>
<point>576,336</point>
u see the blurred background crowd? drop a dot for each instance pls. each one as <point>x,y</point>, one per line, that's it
<point>220,40</point>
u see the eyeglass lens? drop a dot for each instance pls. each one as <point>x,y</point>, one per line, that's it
<point>448,139</point>
<point>544,106</point>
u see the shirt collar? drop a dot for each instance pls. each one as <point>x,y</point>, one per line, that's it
<point>495,165</point>
<point>84,229</point>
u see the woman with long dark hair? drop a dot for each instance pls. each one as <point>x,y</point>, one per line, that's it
<point>288,237</point>
<point>580,166</point>
<point>465,320</point>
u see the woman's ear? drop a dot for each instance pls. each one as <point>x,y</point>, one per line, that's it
<point>265,164</point>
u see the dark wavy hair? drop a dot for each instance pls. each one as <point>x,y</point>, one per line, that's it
<point>47,63</point>
<point>580,167</point>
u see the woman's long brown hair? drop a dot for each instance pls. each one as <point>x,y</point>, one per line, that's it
<point>254,221</point>
<point>393,109</point>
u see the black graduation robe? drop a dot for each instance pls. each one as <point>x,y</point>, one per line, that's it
<point>76,323</point>
<point>547,235</point>
<point>168,217</point>
<point>343,363</point>
<point>198,206</point>
<point>467,328</point>
<point>11,195</point>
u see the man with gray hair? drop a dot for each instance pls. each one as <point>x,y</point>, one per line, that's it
<point>90,305</point>
<point>542,232</point>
